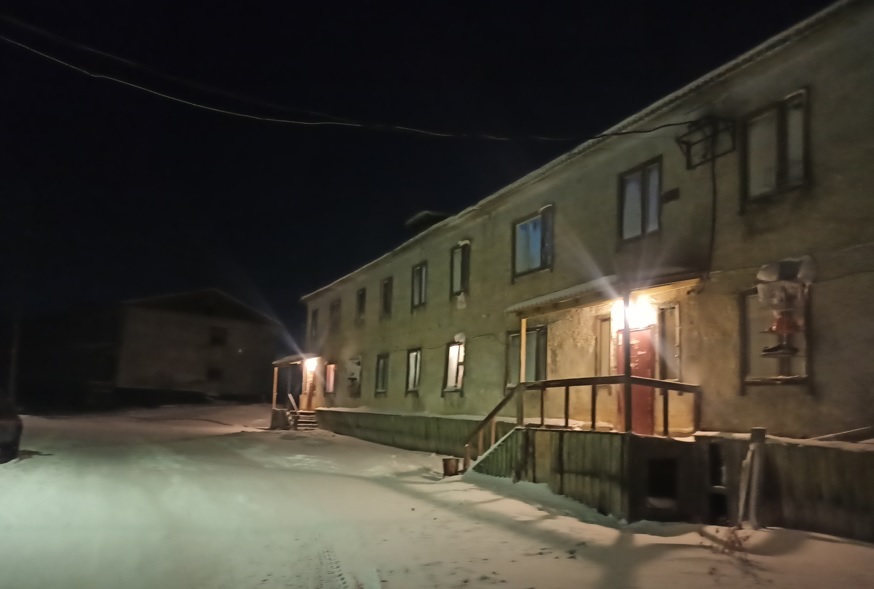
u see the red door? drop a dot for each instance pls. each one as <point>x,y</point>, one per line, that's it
<point>643,363</point>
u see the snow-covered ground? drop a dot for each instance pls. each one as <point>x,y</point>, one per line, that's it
<point>204,497</point>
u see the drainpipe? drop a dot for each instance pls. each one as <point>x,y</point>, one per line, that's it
<point>626,359</point>
<point>275,383</point>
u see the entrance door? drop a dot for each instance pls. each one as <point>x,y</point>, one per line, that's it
<point>643,363</point>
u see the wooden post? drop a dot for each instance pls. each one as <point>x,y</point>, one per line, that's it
<point>626,360</point>
<point>542,403</point>
<point>757,444</point>
<point>275,383</point>
<point>479,450</point>
<point>520,402</point>
<point>567,406</point>
<point>665,408</point>
<point>494,426</point>
<point>593,395</point>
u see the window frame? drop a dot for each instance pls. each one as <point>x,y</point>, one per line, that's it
<point>335,310</point>
<point>782,184</point>
<point>381,372</point>
<point>386,297</point>
<point>458,364</point>
<point>360,305</point>
<point>314,323</point>
<point>463,249</point>
<point>414,390</point>
<point>542,332</point>
<point>423,268</point>
<point>546,214</point>
<point>644,200</point>
<point>330,367</point>
<point>803,381</point>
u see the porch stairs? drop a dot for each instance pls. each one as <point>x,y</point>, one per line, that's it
<point>304,420</point>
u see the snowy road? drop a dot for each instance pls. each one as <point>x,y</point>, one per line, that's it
<point>202,497</point>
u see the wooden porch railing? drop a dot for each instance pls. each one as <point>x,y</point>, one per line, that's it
<point>593,382</point>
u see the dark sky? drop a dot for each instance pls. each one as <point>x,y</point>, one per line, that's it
<point>109,192</point>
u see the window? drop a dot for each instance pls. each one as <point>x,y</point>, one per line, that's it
<point>454,367</point>
<point>334,315</point>
<point>639,198</point>
<point>218,336</point>
<point>214,374</point>
<point>314,323</point>
<point>459,269</point>
<point>419,285</point>
<point>774,147</point>
<point>360,304</point>
<point>414,366</point>
<point>535,356</point>
<point>381,374</point>
<point>330,376</point>
<point>774,337</point>
<point>385,296</point>
<point>532,242</point>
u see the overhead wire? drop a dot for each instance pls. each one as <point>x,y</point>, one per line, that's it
<point>336,122</point>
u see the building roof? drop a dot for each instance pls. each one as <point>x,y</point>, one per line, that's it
<point>765,49</point>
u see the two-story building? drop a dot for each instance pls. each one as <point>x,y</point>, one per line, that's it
<point>735,218</point>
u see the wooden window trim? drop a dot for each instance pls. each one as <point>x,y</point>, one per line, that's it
<point>547,241</point>
<point>381,392</point>
<point>385,313</point>
<point>464,249</point>
<point>408,390</point>
<point>783,186</point>
<point>445,389</point>
<point>424,282</point>
<point>644,201</point>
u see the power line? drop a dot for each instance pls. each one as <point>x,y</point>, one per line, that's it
<point>338,122</point>
<point>178,79</point>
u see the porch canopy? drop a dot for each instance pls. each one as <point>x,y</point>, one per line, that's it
<point>286,362</point>
<point>603,288</point>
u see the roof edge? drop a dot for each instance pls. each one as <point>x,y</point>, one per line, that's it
<point>762,50</point>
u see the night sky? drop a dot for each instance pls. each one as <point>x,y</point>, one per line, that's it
<point>109,192</point>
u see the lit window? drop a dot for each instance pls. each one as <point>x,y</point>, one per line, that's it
<point>459,269</point>
<point>330,376</point>
<point>639,200</point>
<point>454,367</point>
<point>381,373</point>
<point>419,284</point>
<point>414,365</point>
<point>532,243</point>
<point>775,146</point>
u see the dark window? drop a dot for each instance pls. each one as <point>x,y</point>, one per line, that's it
<point>218,336</point>
<point>360,304</point>
<point>459,269</point>
<point>414,367</point>
<point>535,356</point>
<point>532,242</point>
<point>454,367</point>
<point>419,286</point>
<point>639,198</point>
<point>214,374</point>
<point>334,315</point>
<point>314,323</point>
<point>385,297</point>
<point>775,147</point>
<point>381,373</point>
